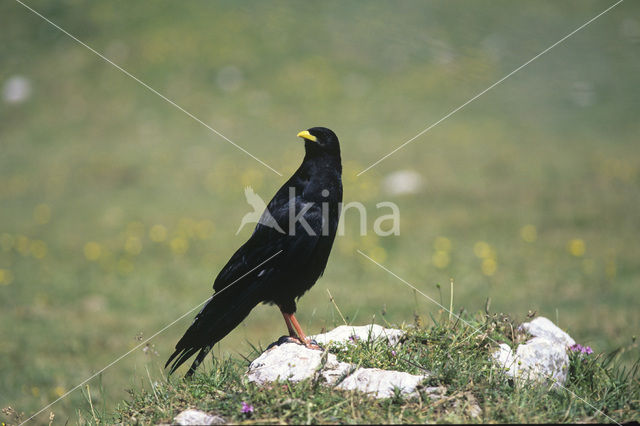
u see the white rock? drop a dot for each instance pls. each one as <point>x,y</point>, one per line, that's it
<point>346,333</point>
<point>17,89</point>
<point>543,327</point>
<point>291,361</point>
<point>197,417</point>
<point>381,383</point>
<point>505,359</point>
<point>541,359</point>
<point>294,362</point>
<point>403,182</point>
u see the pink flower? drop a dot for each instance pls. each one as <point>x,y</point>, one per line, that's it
<point>582,349</point>
<point>576,348</point>
<point>247,408</point>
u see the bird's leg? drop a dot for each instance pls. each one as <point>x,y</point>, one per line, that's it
<point>295,331</point>
<point>292,332</point>
<point>304,339</point>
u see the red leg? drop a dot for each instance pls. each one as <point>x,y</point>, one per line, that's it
<point>304,339</point>
<point>292,332</point>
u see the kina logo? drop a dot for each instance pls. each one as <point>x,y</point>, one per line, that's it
<point>260,213</point>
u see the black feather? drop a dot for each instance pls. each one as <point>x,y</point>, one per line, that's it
<point>273,266</point>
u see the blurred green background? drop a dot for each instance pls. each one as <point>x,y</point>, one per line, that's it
<point>117,210</point>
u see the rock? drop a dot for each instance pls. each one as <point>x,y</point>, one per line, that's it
<point>403,182</point>
<point>347,333</point>
<point>505,359</point>
<point>541,359</point>
<point>16,89</point>
<point>543,327</point>
<point>294,362</point>
<point>382,383</point>
<point>197,417</point>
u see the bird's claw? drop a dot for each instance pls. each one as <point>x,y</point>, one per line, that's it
<point>312,344</point>
<point>309,344</point>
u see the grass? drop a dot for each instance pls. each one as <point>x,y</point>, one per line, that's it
<point>117,210</point>
<point>455,354</point>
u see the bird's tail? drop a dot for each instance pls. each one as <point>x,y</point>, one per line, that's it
<point>221,314</point>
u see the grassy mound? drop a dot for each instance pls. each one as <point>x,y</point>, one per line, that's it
<point>455,352</point>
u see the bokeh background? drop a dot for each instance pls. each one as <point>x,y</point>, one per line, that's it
<point>117,210</point>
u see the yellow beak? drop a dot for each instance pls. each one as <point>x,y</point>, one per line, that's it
<point>308,136</point>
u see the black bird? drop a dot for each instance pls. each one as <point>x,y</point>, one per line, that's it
<point>281,260</point>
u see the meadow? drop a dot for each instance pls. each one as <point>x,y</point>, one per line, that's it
<point>117,210</point>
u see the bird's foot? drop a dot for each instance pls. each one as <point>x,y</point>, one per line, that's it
<point>285,339</point>
<point>309,344</point>
<point>312,344</point>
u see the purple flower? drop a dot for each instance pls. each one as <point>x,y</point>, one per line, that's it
<point>393,352</point>
<point>582,349</point>
<point>576,348</point>
<point>247,408</point>
<point>354,338</point>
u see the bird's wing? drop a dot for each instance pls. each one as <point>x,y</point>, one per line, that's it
<point>293,248</point>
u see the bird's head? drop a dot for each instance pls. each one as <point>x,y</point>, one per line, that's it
<point>320,140</point>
